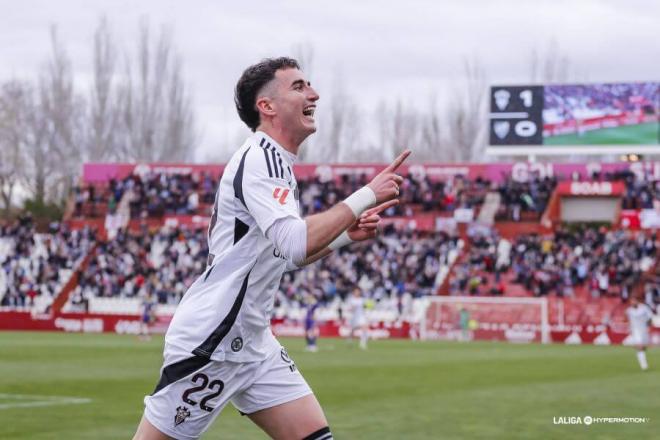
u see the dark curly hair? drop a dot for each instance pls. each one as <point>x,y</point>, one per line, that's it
<point>253,79</point>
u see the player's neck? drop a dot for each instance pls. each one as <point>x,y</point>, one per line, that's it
<point>284,139</point>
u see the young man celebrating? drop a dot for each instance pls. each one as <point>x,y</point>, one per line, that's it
<point>219,346</point>
<point>639,317</point>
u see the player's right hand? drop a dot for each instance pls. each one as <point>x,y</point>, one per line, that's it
<point>386,184</point>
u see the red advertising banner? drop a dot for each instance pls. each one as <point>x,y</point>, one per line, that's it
<point>572,126</point>
<point>611,189</point>
<point>130,324</point>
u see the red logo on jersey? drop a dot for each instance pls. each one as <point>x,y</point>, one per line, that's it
<point>281,193</point>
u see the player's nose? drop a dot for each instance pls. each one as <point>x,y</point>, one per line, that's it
<point>312,95</point>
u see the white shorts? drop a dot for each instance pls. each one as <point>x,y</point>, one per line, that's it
<point>358,323</point>
<point>193,391</point>
<point>639,338</point>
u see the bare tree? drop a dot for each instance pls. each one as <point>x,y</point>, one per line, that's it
<point>433,144</point>
<point>104,111</point>
<point>549,65</point>
<point>467,113</point>
<point>398,128</point>
<point>55,138</point>
<point>156,107</point>
<point>341,124</point>
<point>303,52</point>
<point>14,96</point>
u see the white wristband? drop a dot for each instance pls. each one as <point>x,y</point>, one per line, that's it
<point>340,241</point>
<point>361,200</point>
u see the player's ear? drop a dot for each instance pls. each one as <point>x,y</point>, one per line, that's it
<point>265,105</point>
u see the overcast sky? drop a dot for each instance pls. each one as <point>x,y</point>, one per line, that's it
<point>381,49</point>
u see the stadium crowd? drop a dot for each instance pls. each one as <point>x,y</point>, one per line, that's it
<point>154,195</point>
<point>159,264</point>
<point>604,262</point>
<point>525,198</point>
<point>566,100</point>
<point>34,266</point>
<point>150,195</point>
<point>394,264</point>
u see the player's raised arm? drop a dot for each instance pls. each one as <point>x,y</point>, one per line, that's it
<point>324,228</point>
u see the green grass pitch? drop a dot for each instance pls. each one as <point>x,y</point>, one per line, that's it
<point>394,390</point>
<point>641,134</point>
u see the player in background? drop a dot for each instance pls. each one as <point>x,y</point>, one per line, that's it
<point>219,347</point>
<point>464,323</point>
<point>639,317</point>
<point>358,324</point>
<point>148,315</point>
<point>311,328</point>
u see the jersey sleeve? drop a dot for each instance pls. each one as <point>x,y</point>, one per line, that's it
<point>266,196</point>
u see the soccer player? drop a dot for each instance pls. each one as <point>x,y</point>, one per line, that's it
<point>148,316</point>
<point>311,329</point>
<point>219,347</point>
<point>358,322</point>
<point>639,318</point>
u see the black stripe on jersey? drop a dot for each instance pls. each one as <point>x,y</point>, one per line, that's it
<point>270,172</point>
<point>240,229</point>
<point>211,343</point>
<point>272,153</point>
<point>178,370</point>
<point>208,273</point>
<point>238,179</point>
<point>279,159</point>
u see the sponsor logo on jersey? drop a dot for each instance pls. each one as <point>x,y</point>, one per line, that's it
<point>236,344</point>
<point>278,254</point>
<point>280,194</point>
<point>182,413</point>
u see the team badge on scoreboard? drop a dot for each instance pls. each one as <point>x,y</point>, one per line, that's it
<point>182,413</point>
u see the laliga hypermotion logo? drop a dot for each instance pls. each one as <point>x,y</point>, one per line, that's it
<point>502,99</point>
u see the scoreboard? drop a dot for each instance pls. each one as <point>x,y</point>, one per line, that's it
<point>516,115</point>
<point>575,115</point>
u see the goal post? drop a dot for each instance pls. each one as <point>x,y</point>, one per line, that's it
<point>485,318</point>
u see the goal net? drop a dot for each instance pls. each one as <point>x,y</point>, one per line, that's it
<point>466,318</point>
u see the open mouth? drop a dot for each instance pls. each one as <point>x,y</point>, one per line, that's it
<point>309,111</point>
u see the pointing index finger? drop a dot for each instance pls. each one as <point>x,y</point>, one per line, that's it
<point>382,207</point>
<point>398,161</point>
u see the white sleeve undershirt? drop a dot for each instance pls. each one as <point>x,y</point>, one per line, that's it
<point>289,235</point>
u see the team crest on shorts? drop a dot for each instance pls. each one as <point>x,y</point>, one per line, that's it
<point>285,356</point>
<point>182,413</point>
<point>236,344</point>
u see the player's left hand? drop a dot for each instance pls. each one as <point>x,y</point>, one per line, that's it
<point>366,226</point>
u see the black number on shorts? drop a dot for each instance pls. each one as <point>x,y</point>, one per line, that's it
<point>221,386</point>
<point>205,381</point>
<point>189,391</point>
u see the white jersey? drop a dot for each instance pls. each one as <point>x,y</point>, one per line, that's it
<point>356,306</point>
<point>639,317</point>
<point>226,313</point>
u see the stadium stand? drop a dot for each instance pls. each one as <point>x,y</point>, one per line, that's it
<point>35,266</point>
<point>149,248</point>
<point>138,264</point>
